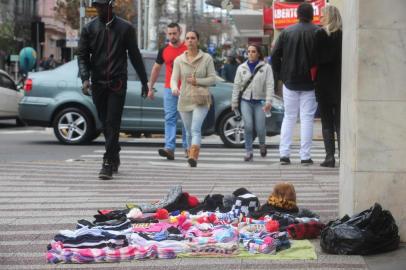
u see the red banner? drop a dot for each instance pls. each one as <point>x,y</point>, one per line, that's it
<point>268,18</point>
<point>285,14</point>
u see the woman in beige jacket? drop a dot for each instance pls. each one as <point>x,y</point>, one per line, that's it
<point>192,69</point>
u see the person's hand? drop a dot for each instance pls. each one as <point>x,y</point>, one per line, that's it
<point>267,107</point>
<point>144,91</point>
<point>192,80</point>
<point>86,88</point>
<point>175,92</point>
<point>150,92</point>
<point>234,107</point>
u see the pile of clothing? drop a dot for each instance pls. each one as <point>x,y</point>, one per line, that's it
<point>220,225</point>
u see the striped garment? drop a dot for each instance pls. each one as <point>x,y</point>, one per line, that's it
<point>59,254</point>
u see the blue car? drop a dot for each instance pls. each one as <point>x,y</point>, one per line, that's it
<point>53,98</point>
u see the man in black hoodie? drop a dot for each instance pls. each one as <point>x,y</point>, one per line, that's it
<point>292,59</point>
<point>102,56</point>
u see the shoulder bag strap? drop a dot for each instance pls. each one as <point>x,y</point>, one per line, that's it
<point>250,80</point>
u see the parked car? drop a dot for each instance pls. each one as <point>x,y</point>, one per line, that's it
<point>10,96</point>
<point>54,99</point>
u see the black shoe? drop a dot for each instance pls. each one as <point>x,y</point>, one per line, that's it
<point>116,164</point>
<point>306,161</point>
<point>284,160</point>
<point>328,162</point>
<point>263,150</point>
<point>106,172</point>
<point>192,162</point>
<point>249,157</point>
<point>169,154</point>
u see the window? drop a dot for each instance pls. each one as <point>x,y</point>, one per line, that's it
<point>149,62</point>
<point>7,83</point>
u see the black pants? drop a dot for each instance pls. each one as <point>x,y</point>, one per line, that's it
<point>330,118</point>
<point>109,98</point>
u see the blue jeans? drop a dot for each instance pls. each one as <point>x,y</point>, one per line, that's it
<point>171,119</point>
<point>253,115</point>
<point>193,122</point>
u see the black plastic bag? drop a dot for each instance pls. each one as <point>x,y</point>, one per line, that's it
<point>369,232</point>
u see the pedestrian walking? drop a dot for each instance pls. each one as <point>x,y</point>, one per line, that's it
<point>292,59</point>
<point>328,82</point>
<point>254,82</point>
<point>166,56</point>
<point>229,69</point>
<point>49,63</point>
<point>102,56</point>
<point>195,69</point>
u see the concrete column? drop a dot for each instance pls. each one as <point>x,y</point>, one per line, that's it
<point>373,157</point>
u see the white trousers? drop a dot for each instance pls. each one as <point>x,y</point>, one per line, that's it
<point>295,102</point>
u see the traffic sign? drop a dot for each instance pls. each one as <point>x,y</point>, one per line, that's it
<point>72,38</point>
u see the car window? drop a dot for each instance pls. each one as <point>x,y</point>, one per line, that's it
<point>6,82</point>
<point>149,62</point>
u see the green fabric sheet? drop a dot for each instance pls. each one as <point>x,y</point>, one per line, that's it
<point>299,250</point>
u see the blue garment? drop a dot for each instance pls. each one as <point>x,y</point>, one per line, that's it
<point>193,122</point>
<point>171,119</point>
<point>252,65</point>
<point>253,116</point>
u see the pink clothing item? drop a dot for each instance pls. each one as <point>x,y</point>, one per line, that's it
<point>155,227</point>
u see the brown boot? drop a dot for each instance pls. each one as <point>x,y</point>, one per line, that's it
<point>168,153</point>
<point>193,155</point>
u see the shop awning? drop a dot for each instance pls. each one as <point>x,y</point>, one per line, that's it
<point>248,23</point>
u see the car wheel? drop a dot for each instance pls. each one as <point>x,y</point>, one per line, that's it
<point>95,135</point>
<point>231,130</point>
<point>73,126</point>
<point>20,123</point>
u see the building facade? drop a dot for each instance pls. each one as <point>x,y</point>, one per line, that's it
<point>55,32</point>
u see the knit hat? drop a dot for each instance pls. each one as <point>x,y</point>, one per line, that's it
<point>184,202</point>
<point>245,202</point>
<point>228,201</point>
<point>283,196</point>
<point>210,203</point>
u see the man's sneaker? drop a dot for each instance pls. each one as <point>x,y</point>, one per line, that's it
<point>284,160</point>
<point>169,154</point>
<point>106,172</point>
<point>307,161</point>
<point>186,153</point>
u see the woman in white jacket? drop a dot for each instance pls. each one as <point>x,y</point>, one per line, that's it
<point>256,98</point>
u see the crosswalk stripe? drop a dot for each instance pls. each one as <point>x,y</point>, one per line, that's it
<point>39,198</point>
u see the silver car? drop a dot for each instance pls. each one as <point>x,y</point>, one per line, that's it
<point>54,98</point>
<point>10,96</point>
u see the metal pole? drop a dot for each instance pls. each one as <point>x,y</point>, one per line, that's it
<point>178,11</point>
<point>80,17</point>
<point>139,23</point>
<point>37,45</point>
<point>193,14</point>
<point>146,6</point>
<point>152,25</point>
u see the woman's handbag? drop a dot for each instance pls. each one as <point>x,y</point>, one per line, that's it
<point>200,94</point>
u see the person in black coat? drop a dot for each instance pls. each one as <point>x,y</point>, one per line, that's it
<point>328,81</point>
